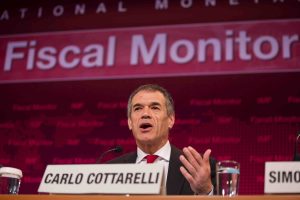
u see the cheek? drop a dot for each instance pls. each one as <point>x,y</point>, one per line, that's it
<point>161,124</point>
<point>132,123</point>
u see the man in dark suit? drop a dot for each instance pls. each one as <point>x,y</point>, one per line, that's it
<point>150,117</point>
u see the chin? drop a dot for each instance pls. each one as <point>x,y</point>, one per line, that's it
<point>146,141</point>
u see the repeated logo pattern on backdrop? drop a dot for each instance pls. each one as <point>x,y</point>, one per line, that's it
<point>65,80</point>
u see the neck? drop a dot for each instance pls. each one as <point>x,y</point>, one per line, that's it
<point>151,148</point>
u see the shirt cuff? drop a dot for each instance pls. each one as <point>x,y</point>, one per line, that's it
<point>211,193</point>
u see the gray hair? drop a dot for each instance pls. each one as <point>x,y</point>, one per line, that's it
<point>153,88</point>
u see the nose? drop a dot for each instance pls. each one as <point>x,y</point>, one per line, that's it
<point>146,114</point>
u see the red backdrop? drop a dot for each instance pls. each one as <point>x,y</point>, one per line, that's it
<point>246,116</point>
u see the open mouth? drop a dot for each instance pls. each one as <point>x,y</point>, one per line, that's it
<point>146,126</point>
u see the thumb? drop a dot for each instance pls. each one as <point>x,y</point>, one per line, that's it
<point>206,155</point>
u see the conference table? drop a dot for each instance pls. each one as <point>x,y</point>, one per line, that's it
<point>145,197</point>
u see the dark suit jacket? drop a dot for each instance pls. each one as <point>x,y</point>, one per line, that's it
<point>176,183</point>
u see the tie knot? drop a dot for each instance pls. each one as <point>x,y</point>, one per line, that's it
<point>151,158</point>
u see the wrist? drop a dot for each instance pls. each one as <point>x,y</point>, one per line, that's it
<point>208,191</point>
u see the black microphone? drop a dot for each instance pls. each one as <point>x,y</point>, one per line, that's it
<point>116,149</point>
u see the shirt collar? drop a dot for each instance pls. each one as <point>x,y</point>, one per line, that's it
<point>164,153</point>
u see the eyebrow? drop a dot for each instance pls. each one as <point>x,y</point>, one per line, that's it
<point>151,104</point>
<point>155,104</point>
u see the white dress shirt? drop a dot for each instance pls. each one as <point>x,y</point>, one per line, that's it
<point>163,154</point>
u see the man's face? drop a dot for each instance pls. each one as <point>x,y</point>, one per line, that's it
<point>149,120</point>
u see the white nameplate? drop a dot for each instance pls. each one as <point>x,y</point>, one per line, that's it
<point>103,179</point>
<point>282,177</point>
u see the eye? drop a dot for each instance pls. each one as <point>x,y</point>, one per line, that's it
<point>137,108</point>
<point>155,108</point>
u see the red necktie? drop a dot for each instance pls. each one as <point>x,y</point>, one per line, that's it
<point>151,158</point>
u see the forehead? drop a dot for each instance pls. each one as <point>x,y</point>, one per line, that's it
<point>146,97</point>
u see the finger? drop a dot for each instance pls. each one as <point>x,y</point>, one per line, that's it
<point>196,155</point>
<point>190,168</point>
<point>190,157</point>
<point>201,160</point>
<point>187,175</point>
<point>206,155</point>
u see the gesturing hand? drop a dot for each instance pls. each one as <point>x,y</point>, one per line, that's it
<point>196,170</point>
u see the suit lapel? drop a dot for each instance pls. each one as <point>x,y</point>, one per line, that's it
<point>175,179</point>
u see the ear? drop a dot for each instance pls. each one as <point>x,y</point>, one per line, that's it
<point>129,123</point>
<point>171,121</point>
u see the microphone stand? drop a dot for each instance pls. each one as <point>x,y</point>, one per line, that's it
<point>116,149</point>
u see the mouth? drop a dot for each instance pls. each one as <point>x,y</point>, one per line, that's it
<point>145,127</point>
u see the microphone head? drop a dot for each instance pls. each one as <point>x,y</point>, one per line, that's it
<point>118,149</point>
